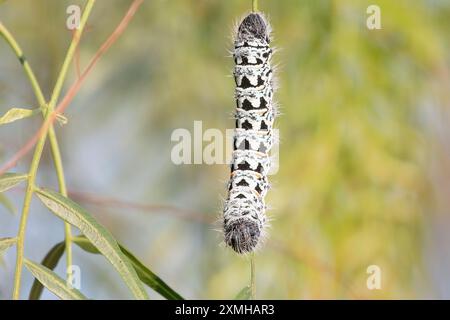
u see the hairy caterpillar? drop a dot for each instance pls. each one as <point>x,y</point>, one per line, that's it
<point>244,217</point>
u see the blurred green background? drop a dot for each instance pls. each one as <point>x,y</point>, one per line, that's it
<point>364,156</point>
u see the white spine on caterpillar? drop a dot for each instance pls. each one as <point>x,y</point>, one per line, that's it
<point>244,214</point>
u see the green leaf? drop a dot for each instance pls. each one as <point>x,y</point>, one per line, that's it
<point>99,236</point>
<point>244,294</point>
<point>151,279</point>
<point>5,243</point>
<point>50,261</point>
<point>62,119</point>
<point>16,114</point>
<point>9,180</point>
<point>53,282</point>
<point>4,200</point>
<point>145,274</point>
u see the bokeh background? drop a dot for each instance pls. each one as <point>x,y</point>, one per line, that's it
<point>364,171</point>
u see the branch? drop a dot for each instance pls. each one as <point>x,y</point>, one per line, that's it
<point>73,89</point>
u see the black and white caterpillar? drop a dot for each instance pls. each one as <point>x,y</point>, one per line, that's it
<point>244,213</point>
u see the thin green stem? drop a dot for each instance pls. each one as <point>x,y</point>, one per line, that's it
<point>63,190</point>
<point>51,106</point>
<point>252,277</point>
<point>25,211</point>
<point>38,153</point>
<point>24,62</point>
<point>51,133</point>
<point>254,5</point>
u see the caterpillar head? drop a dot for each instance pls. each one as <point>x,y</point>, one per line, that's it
<point>242,235</point>
<point>253,27</point>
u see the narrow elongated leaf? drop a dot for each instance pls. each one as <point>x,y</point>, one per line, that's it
<point>4,200</point>
<point>151,279</point>
<point>14,114</point>
<point>9,180</point>
<point>5,243</point>
<point>62,119</point>
<point>53,282</point>
<point>50,261</point>
<point>244,294</point>
<point>145,274</point>
<point>98,235</point>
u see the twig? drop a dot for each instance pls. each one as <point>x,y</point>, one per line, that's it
<point>254,5</point>
<point>103,201</point>
<point>252,277</point>
<point>73,89</point>
<point>41,101</point>
<point>37,157</point>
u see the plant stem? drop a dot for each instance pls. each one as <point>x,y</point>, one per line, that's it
<point>252,277</point>
<point>254,5</point>
<point>23,219</point>
<point>38,153</point>
<point>51,133</point>
<point>51,106</point>
<point>24,62</point>
<point>63,190</point>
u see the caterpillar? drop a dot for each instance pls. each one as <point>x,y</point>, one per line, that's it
<point>244,212</point>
